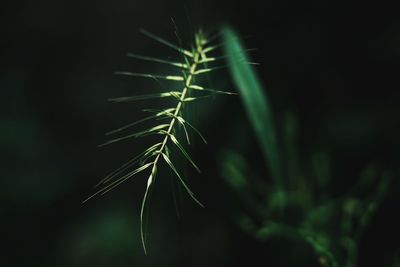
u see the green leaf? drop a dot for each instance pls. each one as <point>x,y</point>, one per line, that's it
<point>254,100</point>
<point>152,130</point>
<point>171,165</point>
<point>152,76</point>
<point>128,164</point>
<point>131,125</point>
<point>211,48</point>
<point>165,42</point>
<point>176,142</point>
<point>118,181</point>
<point>197,131</point>
<point>124,178</point>
<point>158,60</point>
<point>146,96</point>
<point>184,122</point>
<point>206,70</point>
<point>149,184</point>
<point>160,112</point>
<point>200,88</point>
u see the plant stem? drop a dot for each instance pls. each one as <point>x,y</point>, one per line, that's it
<point>192,70</point>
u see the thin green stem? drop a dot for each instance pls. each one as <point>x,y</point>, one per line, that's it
<point>192,70</point>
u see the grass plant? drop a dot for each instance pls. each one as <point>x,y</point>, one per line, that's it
<point>194,63</point>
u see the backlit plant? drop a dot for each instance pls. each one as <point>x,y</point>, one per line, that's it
<point>167,121</point>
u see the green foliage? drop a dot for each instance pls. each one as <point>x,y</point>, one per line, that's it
<point>254,99</point>
<point>304,209</point>
<point>295,205</point>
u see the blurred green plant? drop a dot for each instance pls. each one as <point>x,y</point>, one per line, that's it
<point>255,101</point>
<point>292,206</point>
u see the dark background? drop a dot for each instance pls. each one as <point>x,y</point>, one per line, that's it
<point>334,64</point>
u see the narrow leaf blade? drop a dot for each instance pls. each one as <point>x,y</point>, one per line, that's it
<point>254,100</point>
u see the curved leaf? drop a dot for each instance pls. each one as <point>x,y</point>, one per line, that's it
<point>254,100</point>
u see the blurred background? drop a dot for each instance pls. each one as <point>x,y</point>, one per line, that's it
<point>333,65</point>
